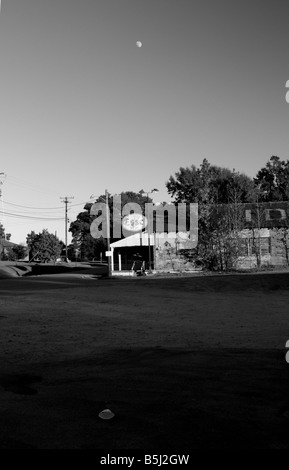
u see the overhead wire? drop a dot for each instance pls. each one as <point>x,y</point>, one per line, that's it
<point>28,184</point>
<point>35,215</point>
<point>32,213</point>
<point>9,214</point>
<point>20,213</point>
<point>42,208</point>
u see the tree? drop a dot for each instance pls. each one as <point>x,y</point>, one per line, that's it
<point>19,252</point>
<point>188,184</point>
<point>43,246</point>
<point>272,185</point>
<point>219,193</point>
<point>3,236</point>
<point>273,180</point>
<point>139,198</point>
<point>14,252</point>
<point>231,187</point>
<point>2,231</point>
<point>83,246</point>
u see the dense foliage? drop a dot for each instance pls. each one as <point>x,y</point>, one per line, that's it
<point>44,246</point>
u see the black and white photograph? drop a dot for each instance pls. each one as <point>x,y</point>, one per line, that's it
<point>144,227</point>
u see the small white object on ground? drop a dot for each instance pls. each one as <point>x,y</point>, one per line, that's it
<point>106,414</point>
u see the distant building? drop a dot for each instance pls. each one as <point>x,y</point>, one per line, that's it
<point>261,222</point>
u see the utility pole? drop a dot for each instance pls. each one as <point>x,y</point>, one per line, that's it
<point>149,235</point>
<point>66,202</point>
<point>109,260</point>
<point>2,179</point>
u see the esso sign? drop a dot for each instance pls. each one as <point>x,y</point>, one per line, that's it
<point>134,222</point>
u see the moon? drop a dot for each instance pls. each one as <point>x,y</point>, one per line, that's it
<point>139,44</point>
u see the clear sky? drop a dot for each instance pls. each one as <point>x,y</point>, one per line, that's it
<point>82,108</point>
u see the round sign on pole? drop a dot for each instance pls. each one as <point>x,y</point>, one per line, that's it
<point>134,222</point>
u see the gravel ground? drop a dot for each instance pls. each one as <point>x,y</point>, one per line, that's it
<point>183,362</point>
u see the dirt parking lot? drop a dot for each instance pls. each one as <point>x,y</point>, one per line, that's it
<point>188,362</point>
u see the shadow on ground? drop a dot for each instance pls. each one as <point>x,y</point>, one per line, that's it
<point>161,398</point>
<point>191,363</point>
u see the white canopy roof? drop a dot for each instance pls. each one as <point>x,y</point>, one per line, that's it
<point>137,239</point>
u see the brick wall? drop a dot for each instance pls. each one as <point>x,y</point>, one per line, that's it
<point>169,257</point>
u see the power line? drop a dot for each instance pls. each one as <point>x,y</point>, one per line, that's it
<point>9,214</point>
<point>31,207</point>
<point>27,184</point>
<point>33,213</point>
<point>42,208</point>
